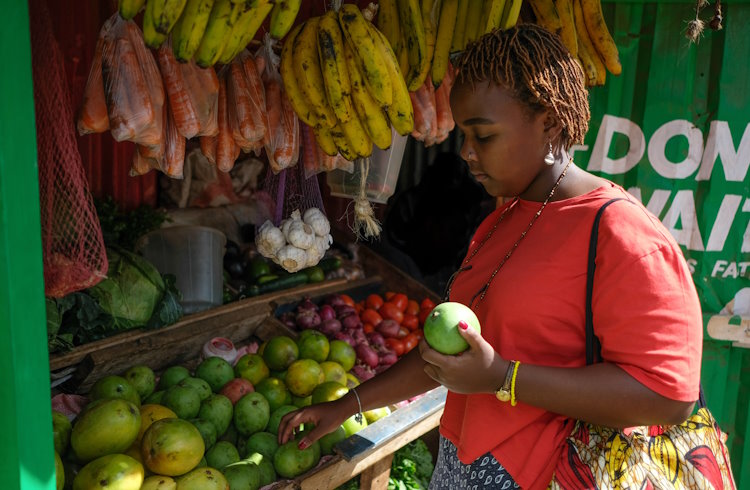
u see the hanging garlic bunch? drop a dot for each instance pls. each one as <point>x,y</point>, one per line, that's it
<point>298,243</point>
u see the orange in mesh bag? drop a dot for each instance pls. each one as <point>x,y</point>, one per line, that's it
<point>74,254</point>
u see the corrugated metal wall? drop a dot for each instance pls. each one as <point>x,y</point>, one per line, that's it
<point>665,78</point>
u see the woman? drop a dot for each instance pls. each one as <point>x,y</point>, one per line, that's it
<point>521,103</point>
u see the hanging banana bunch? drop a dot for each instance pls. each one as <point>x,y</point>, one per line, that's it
<point>343,79</point>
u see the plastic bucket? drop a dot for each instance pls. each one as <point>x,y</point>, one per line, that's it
<point>194,254</point>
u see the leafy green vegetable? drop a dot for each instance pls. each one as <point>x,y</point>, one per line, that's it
<point>412,467</point>
<point>124,228</point>
<point>56,309</point>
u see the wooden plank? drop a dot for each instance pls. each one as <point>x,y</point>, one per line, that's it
<point>376,476</point>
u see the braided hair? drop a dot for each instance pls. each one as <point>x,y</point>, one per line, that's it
<point>537,69</point>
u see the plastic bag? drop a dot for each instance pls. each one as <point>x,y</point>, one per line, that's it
<point>193,94</point>
<point>92,116</point>
<point>282,143</point>
<point>445,122</point>
<point>132,85</point>
<point>246,99</point>
<point>174,147</point>
<point>227,150</point>
<point>315,160</point>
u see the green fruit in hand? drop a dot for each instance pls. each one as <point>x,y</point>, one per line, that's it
<point>222,454</point>
<point>376,414</point>
<point>172,375</point>
<point>441,327</point>
<point>264,443</point>
<point>143,380</point>
<point>61,428</point>
<point>115,387</point>
<point>216,372</point>
<point>352,426</point>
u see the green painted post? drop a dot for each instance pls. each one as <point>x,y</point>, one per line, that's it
<point>26,457</point>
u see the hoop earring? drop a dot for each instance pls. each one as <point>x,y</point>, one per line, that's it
<point>549,158</point>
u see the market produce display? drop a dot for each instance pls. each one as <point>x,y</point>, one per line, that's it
<point>344,81</point>
<point>300,241</point>
<point>220,418</point>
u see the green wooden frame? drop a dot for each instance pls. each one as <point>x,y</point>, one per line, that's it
<point>26,454</point>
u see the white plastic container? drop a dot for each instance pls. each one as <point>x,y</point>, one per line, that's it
<point>194,254</point>
<point>381,178</point>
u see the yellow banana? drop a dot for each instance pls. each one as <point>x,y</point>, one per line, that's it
<point>592,65</point>
<point>457,43</point>
<point>129,8</point>
<point>165,14</point>
<point>291,87</point>
<point>325,140</point>
<point>369,59</point>
<point>441,58</point>
<point>218,29</point>
<point>188,32</point>
<point>403,59</point>
<point>367,109</point>
<point>282,17</point>
<point>510,13</point>
<point>473,22</point>
<point>415,40</point>
<point>152,38</point>
<point>568,30</point>
<point>357,137</point>
<point>309,76</point>
<point>494,14</point>
<point>243,31</point>
<point>599,34</point>
<point>333,66</point>
<point>343,145</point>
<point>430,17</point>
<point>546,15</point>
<point>388,23</point>
<point>400,112</point>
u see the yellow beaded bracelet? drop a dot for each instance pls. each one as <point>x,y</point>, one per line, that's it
<point>513,384</point>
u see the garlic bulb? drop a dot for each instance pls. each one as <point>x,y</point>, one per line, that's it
<point>269,239</point>
<point>318,221</point>
<point>292,258</point>
<point>317,250</point>
<point>298,233</point>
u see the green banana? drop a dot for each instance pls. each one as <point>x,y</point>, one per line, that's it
<point>459,32</point>
<point>165,14</point>
<point>415,39</point>
<point>188,32</point>
<point>129,8</point>
<point>151,37</point>
<point>245,28</point>
<point>443,41</point>
<point>282,17</point>
<point>388,23</point>
<point>219,28</point>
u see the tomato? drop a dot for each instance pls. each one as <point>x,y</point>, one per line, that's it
<point>374,301</point>
<point>423,316</point>
<point>411,322</point>
<point>389,310</point>
<point>359,307</point>
<point>371,316</point>
<point>396,346</point>
<point>400,300</point>
<point>347,299</point>
<point>412,308</point>
<point>402,332</point>
<point>427,304</point>
<point>388,295</point>
<point>418,333</point>
<point>410,342</point>
<point>368,328</point>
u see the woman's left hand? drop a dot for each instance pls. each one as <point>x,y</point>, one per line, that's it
<point>479,369</point>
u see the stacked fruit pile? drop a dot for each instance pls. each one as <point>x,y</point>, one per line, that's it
<point>209,31</point>
<point>580,24</point>
<point>212,429</point>
<point>344,81</point>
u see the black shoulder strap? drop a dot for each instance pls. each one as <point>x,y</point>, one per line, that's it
<point>593,348</point>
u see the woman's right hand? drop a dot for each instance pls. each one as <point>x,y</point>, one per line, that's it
<point>326,418</point>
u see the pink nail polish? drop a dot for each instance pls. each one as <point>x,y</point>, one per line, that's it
<point>302,445</point>
<point>463,325</point>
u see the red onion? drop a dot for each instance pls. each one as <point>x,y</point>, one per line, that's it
<point>344,310</point>
<point>363,373</point>
<point>351,322</point>
<point>358,336</point>
<point>388,359</point>
<point>367,355</point>
<point>307,319</point>
<point>334,300</point>
<point>376,340</point>
<point>388,327</point>
<point>326,312</point>
<point>288,319</point>
<point>330,327</point>
<point>345,337</point>
<point>306,305</point>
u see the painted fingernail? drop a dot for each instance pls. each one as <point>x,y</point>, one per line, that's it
<point>302,444</point>
<point>463,325</point>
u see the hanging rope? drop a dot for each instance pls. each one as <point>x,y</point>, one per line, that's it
<point>365,224</point>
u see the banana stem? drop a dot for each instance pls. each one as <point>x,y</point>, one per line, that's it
<point>365,223</point>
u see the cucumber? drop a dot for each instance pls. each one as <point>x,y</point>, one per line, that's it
<point>329,264</point>
<point>314,274</point>
<point>283,282</point>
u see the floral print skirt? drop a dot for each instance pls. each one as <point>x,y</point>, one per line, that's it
<point>484,473</point>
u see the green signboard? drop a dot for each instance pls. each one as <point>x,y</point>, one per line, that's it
<point>674,130</point>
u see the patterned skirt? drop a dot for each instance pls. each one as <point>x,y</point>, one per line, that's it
<point>484,473</point>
